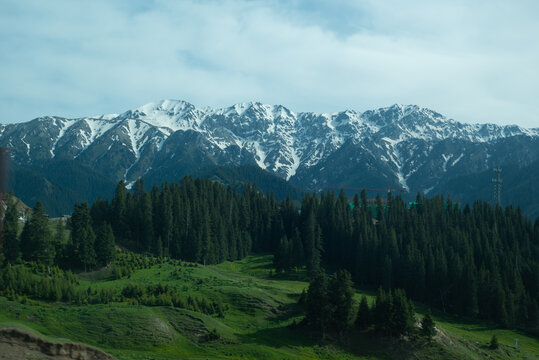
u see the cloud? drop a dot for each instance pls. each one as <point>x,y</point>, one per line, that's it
<point>473,61</point>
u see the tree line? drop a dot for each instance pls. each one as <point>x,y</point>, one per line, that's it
<point>479,260</point>
<point>195,220</point>
<point>330,308</point>
<point>90,243</point>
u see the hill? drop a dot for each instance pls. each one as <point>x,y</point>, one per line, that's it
<point>256,324</point>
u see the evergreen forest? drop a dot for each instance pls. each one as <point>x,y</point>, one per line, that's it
<point>478,261</point>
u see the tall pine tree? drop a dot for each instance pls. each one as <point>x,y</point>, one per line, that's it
<point>83,236</point>
<point>104,245</point>
<point>36,239</point>
<point>318,305</point>
<point>12,248</point>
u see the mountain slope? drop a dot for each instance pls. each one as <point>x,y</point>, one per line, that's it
<point>520,187</point>
<point>409,146</point>
<point>59,184</point>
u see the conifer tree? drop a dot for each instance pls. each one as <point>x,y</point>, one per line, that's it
<point>428,329</point>
<point>119,211</point>
<point>363,319</point>
<point>165,215</point>
<point>146,222</point>
<point>12,246</point>
<point>83,236</point>
<point>383,312</point>
<point>297,252</point>
<point>26,242</point>
<point>282,256</point>
<point>341,300</point>
<point>59,233</point>
<point>100,212</point>
<point>36,239</point>
<point>402,315</point>
<point>309,235</point>
<point>60,245</point>
<point>318,305</point>
<point>104,245</point>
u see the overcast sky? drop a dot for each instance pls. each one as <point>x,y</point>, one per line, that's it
<point>474,61</point>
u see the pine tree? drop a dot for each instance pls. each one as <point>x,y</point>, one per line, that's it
<point>86,248</point>
<point>341,295</point>
<point>383,312</point>
<point>60,245</point>
<point>282,257</point>
<point>318,306</point>
<point>297,251</point>
<point>157,247</point>
<point>104,245</point>
<point>364,318</point>
<point>119,212</point>
<point>59,234</point>
<point>12,247</point>
<point>166,215</point>
<point>100,212</point>
<point>310,239</point>
<point>26,242</point>
<point>428,329</point>
<point>36,239</point>
<point>206,245</point>
<point>402,316</point>
<point>146,222</point>
<point>83,236</point>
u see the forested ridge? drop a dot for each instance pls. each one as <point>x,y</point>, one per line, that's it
<point>479,261</point>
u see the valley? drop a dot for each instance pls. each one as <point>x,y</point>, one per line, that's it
<point>269,180</point>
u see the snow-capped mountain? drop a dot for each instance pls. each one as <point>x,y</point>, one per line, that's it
<point>414,147</point>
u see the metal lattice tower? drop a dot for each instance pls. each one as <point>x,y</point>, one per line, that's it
<point>497,186</point>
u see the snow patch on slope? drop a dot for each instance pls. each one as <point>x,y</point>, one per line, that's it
<point>294,167</point>
<point>260,155</point>
<point>64,125</point>
<point>402,179</point>
<point>27,146</point>
<point>397,160</point>
<point>282,141</point>
<point>457,159</point>
<point>446,159</point>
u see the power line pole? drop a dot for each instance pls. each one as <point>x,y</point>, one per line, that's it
<point>497,186</point>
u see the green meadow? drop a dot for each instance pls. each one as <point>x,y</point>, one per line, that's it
<point>258,323</point>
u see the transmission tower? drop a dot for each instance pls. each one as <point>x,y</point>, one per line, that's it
<point>497,186</point>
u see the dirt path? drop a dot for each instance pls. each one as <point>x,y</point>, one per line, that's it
<point>16,344</point>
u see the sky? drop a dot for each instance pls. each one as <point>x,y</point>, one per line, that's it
<point>473,61</point>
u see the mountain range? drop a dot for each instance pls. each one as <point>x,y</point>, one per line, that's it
<point>410,147</point>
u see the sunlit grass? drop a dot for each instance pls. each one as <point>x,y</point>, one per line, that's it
<point>261,305</point>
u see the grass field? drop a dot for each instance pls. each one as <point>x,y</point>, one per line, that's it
<point>256,325</point>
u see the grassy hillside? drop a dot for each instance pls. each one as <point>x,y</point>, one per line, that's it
<point>256,325</point>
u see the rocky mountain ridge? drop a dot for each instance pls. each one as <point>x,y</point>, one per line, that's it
<point>414,147</point>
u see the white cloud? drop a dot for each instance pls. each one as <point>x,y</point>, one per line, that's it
<point>473,61</point>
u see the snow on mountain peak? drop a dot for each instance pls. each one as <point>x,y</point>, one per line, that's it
<point>272,136</point>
